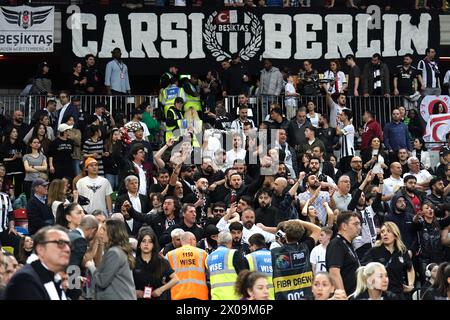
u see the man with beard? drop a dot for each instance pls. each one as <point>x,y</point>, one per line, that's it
<point>159,222</point>
<point>325,166</point>
<point>236,228</point>
<point>282,198</point>
<point>186,178</point>
<point>403,218</point>
<point>216,213</point>
<point>336,108</point>
<point>209,243</point>
<point>437,197</point>
<point>187,223</point>
<point>316,197</point>
<point>163,182</point>
<point>267,214</point>
<point>199,198</point>
<point>290,156</point>
<point>356,175</point>
<point>237,188</point>
<point>414,198</point>
<point>326,182</point>
<point>208,170</point>
<point>327,134</point>
<point>240,166</point>
<point>248,221</point>
<point>402,156</point>
<point>17,122</point>
<point>219,190</point>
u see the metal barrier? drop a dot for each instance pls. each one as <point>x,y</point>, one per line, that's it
<point>380,105</point>
<point>30,104</point>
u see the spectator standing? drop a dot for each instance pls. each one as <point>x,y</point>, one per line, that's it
<point>394,182</point>
<point>347,139</point>
<point>405,78</point>
<point>341,260</point>
<point>290,101</point>
<point>296,129</point>
<point>392,253</point>
<point>67,110</point>
<point>116,75</point>
<point>337,81</point>
<point>429,74</point>
<point>372,128</point>
<point>97,189</point>
<point>60,154</point>
<point>396,134</point>
<point>237,79</point>
<point>152,271</point>
<point>271,84</point>
<point>318,254</point>
<point>93,77</point>
<point>77,79</point>
<point>113,278</point>
<point>35,164</point>
<point>354,76</point>
<point>11,153</point>
<point>376,81</point>
<point>39,213</point>
<point>308,79</point>
<point>42,83</point>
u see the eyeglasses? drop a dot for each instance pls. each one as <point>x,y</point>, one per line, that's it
<point>219,210</point>
<point>60,243</point>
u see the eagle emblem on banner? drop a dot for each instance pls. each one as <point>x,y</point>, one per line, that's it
<point>225,25</point>
<point>25,19</point>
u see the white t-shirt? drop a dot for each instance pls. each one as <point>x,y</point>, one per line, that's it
<point>380,160</point>
<point>142,179</point>
<point>314,120</point>
<point>233,155</point>
<point>335,111</point>
<point>391,185</point>
<point>422,176</point>
<point>317,257</point>
<point>290,101</point>
<point>96,191</point>
<point>223,225</point>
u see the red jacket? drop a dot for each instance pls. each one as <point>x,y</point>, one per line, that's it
<point>371,129</point>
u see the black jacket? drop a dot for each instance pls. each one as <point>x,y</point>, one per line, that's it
<point>195,229</point>
<point>28,283</point>
<point>145,206</point>
<point>39,215</point>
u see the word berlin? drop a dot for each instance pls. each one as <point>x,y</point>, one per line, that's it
<point>261,33</point>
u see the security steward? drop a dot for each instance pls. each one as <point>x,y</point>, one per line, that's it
<point>188,262</point>
<point>169,94</point>
<point>173,115</point>
<point>292,273</point>
<point>224,264</point>
<point>191,90</point>
<point>260,259</point>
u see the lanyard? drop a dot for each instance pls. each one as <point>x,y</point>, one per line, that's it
<point>350,250</point>
<point>120,65</point>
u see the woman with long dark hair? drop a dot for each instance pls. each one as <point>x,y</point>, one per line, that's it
<point>11,152</point>
<point>415,125</point>
<point>374,158</point>
<point>113,160</point>
<point>113,278</point>
<point>440,290</point>
<point>77,80</point>
<point>421,153</point>
<point>25,249</point>
<point>252,285</point>
<point>151,270</point>
<point>35,131</point>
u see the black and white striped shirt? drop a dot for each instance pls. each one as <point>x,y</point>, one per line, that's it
<point>6,213</point>
<point>90,147</point>
<point>347,140</point>
<point>430,73</point>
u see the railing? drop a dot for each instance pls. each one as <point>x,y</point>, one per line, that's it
<point>380,105</point>
<point>115,104</point>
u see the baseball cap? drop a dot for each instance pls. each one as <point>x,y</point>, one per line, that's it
<point>63,127</point>
<point>39,182</point>
<point>88,161</point>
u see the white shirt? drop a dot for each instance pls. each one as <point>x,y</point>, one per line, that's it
<point>391,185</point>
<point>233,155</point>
<point>290,101</point>
<point>142,179</point>
<point>422,176</point>
<point>380,160</point>
<point>317,257</point>
<point>61,114</point>
<point>96,190</point>
<point>314,120</point>
<point>335,110</point>
<point>223,225</point>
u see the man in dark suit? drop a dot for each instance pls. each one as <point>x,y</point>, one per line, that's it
<point>40,280</point>
<point>68,110</point>
<point>39,213</point>
<point>139,203</point>
<point>80,238</point>
<point>159,222</point>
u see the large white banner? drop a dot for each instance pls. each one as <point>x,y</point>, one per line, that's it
<point>26,29</point>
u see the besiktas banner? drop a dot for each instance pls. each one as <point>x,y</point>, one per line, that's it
<point>26,29</point>
<point>199,38</point>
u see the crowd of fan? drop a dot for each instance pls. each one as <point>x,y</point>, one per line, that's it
<point>234,205</point>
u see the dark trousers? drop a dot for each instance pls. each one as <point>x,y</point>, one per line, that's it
<point>17,179</point>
